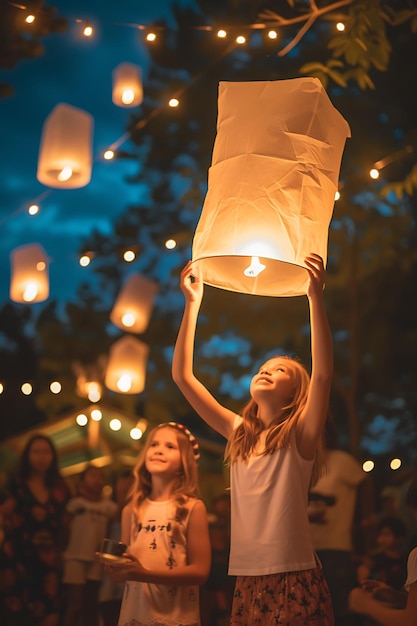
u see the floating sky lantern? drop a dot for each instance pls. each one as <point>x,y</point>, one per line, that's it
<point>65,155</point>
<point>89,377</point>
<point>126,367</point>
<point>127,85</point>
<point>29,274</point>
<point>271,186</point>
<point>134,304</point>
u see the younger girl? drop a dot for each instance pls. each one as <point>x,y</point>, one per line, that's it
<point>272,450</point>
<point>165,525</point>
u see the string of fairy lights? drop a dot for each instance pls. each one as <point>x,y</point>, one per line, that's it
<point>235,34</point>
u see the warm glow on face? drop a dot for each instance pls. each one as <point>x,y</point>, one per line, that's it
<point>124,383</point>
<point>30,292</point>
<point>65,173</point>
<point>128,96</point>
<point>255,268</point>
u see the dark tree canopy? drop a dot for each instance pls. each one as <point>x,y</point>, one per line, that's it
<point>21,41</point>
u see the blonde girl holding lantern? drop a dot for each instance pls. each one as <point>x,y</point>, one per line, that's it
<point>274,450</point>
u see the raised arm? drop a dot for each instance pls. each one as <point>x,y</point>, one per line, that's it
<point>316,410</point>
<point>203,402</point>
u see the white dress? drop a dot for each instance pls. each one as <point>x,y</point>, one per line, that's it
<point>156,546</point>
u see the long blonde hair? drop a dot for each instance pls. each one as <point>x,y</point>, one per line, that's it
<point>244,438</point>
<point>186,485</point>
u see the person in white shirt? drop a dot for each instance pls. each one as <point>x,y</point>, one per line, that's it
<point>332,503</point>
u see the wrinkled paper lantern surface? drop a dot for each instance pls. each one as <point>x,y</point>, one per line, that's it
<point>126,366</point>
<point>133,306</point>
<point>65,155</point>
<point>127,85</point>
<point>271,186</point>
<point>29,274</point>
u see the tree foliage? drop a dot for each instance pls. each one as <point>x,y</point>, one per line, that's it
<point>20,40</point>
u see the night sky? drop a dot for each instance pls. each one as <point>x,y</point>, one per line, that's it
<point>77,71</point>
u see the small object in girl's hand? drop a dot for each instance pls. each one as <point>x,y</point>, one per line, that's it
<point>112,551</point>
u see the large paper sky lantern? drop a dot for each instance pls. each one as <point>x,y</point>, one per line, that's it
<point>126,366</point>
<point>127,85</point>
<point>29,274</point>
<point>271,186</point>
<point>133,307</point>
<point>65,155</point>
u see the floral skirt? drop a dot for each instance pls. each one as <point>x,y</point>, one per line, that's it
<point>287,599</point>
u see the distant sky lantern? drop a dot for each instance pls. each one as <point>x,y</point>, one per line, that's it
<point>271,186</point>
<point>65,155</point>
<point>126,366</point>
<point>89,377</point>
<point>29,274</point>
<point>127,85</point>
<point>134,304</point>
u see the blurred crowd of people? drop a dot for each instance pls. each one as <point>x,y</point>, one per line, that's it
<point>50,531</point>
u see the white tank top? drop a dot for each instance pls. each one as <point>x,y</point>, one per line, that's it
<point>270,531</point>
